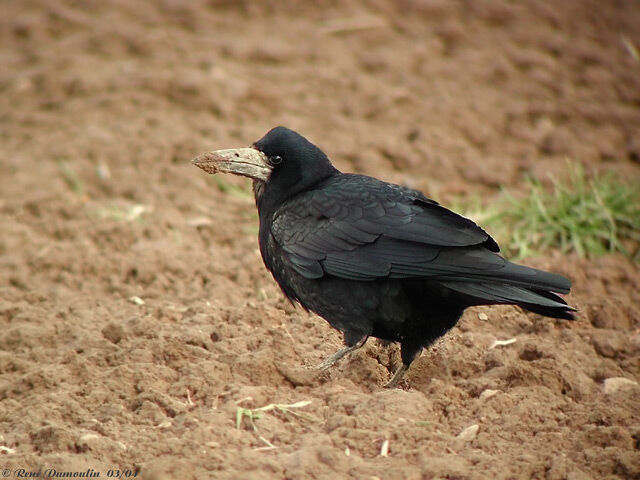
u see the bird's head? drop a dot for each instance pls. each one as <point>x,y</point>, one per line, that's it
<point>282,162</point>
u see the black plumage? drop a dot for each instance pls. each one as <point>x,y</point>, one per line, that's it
<point>374,258</point>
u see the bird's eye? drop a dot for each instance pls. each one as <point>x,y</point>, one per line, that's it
<point>275,160</point>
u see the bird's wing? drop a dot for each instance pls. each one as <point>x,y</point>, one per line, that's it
<point>360,228</point>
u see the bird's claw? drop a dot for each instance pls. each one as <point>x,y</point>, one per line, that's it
<point>396,377</point>
<point>331,360</point>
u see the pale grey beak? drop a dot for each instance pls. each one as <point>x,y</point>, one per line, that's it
<point>247,162</point>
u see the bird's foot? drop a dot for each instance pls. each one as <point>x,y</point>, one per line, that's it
<point>397,377</point>
<point>331,361</point>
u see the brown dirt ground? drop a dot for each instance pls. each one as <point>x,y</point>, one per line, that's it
<point>102,104</point>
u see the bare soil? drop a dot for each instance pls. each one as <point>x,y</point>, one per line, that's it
<point>136,316</point>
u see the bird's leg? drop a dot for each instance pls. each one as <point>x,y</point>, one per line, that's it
<point>397,376</point>
<point>330,361</point>
<point>409,350</point>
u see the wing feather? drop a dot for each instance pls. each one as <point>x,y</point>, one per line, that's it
<point>357,227</point>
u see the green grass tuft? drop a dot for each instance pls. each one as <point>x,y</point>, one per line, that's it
<point>587,215</point>
<point>70,177</point>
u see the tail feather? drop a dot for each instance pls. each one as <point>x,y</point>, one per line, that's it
<point>533,278</point>
<point>535,300</point>
<point>479,266</point>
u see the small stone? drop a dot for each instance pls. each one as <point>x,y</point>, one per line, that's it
<point>612,385</point>
<point>469,433</point>
<point>483,316</point>
<point>488,393</point>
<point>88,441</point>
<point>136,300</point>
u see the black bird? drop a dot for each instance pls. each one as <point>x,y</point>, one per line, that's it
<point>373,258</point>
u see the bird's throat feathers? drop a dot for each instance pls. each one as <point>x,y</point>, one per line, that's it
<point>258,191</point>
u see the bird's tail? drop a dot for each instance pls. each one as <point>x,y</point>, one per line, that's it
<point>529,288</point>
